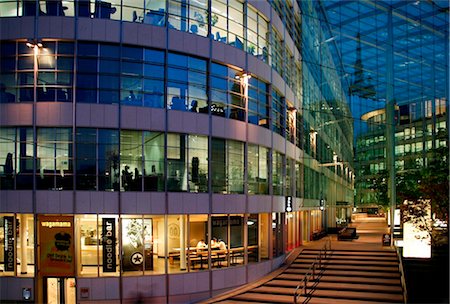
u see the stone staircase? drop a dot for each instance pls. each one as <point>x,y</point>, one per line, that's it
<point>345,276</point>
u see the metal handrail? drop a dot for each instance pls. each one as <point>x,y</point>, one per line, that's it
<point>402,276</point>
<point>312,270</point>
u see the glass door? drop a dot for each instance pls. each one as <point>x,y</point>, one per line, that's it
<point>60,291</point>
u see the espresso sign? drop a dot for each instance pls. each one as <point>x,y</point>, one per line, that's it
<point>109,244</point>
<point>9,243</point>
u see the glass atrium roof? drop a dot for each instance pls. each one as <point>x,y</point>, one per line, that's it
<point>360,34</point>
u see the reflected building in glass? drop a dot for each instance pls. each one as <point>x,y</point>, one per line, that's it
<point>167,149</point>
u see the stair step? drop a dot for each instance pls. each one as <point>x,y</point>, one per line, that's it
<point>356,295</point>
<point>347,262</point>
<point>302,299</point>
<point>238,302</point>
<point>344,258</point>
<point>380,253</point>
<point>264,298</point>
<point>274,290</point>
<point>349,273</point>
<point>344,279</point>
<point>338,286</point>
<point>341,301</point>
<point>348,267</point>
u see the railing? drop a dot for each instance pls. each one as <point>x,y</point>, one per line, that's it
<point>302,287</point>
<point>402,275</point>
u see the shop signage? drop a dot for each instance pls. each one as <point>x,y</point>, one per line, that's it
<point>222,221</point>
<point>109,244</point>
<point>288,204</point>
<point>9,243</point>
<point>56,245</point>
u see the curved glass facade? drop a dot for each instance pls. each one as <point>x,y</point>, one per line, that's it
<point>169,157</point>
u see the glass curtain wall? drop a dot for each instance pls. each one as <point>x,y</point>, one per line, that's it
<point>277,173</point>
<point>186,87</point>
<point>258,169</point>
<point>258,102</point>
<point>54,159</point>
<point>227,166</point>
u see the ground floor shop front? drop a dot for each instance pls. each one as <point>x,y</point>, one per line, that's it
<point>70,258</point>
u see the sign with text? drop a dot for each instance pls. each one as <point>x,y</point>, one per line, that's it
<point>56,245</point>
<point>109,244</point>
<point>288,204</point>
<point>9,243</point>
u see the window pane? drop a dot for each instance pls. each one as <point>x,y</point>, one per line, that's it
<point>153,161</point>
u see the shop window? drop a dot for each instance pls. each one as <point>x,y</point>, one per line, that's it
<point>265,226</point>
<point>17,245</point>
<point>277,234</point>
<point>142,244</point>
<point>227,240</point>
<point>253,225</point>
<point>178,245</point>
<point>198,253</point>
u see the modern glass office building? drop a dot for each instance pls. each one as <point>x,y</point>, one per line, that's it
<point>134,134</point>
<point>395,57</point>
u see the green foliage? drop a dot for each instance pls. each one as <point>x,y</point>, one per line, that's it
<point>434,183</point>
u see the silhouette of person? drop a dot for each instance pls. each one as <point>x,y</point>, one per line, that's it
<point>136,179</point>
<point>131,97</point>
<point>126,178</point>
<point>9,164</point>
<point>6,97</point>
<point>194,106</point>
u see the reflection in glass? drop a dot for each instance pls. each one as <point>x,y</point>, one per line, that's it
<point>54,158</point>
<point>131,160</point>
<point>153,161</point>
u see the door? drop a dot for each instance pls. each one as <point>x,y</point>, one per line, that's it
<point>60,290</point>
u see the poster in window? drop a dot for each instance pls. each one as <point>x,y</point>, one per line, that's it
<point>56,245</point>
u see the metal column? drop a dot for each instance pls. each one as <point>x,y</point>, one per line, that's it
<point>390,120</point>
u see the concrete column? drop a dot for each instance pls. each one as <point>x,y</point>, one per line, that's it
<point>182,242</point>
<point>23,244</point>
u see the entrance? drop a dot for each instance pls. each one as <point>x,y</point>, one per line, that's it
<point>60,290</point>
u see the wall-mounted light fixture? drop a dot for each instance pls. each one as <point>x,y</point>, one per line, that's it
<point>34,43</point>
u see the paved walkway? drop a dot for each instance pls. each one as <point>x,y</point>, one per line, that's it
<point>369,229</point>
